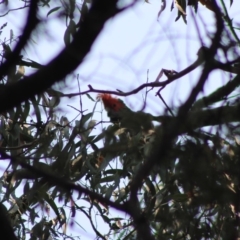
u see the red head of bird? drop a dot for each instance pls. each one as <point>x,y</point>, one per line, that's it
<point>115,107</point>
<point>110,102</point>
<point>119,112</point>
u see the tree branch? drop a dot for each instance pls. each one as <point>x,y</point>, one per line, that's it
<point>64,183</point>
<point>65,62</point>
<point>31,23</point>
<point>166,134</point>
<point>219,94</point>
<point>202,55</point>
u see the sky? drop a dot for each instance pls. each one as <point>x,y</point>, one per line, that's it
<point>131,45</point>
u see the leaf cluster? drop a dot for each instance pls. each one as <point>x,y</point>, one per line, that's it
<point>178,181</point>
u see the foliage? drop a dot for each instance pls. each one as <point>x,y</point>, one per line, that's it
<point>179,181</point>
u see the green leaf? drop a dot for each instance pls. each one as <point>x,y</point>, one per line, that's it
<point>69,33</point>
<point>26,188</point>
<point>26,110</point>
<point>108,179</point>
<point>3,26</point>
<point>33,215</point>
<point>55,150</point>
<point>25,136</point>
<point>179,197</point>
<point>11,36</point>
<point>150,186</point>
<point>45,3</point>
<point>116,219</point>
<point>72,4</point>
<point>109,192</point>
<point>90,97</point>
<point>15,131</point>
<point>98,137</point>
<point>97,205</point>
<point>114,171</point>
<point>43,167</point>
<point>53,10</point>
<point>63,213</point>
<point>52,204</point>
<point>106,219</point>
<point>85,118</point>
<point>37,230</point>
<point>36,108</point>
<point>66,134</point>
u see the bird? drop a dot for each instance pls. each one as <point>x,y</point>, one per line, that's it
<point>119,113</point>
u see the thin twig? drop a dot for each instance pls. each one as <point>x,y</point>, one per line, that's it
<point>64,183</point>
<point>14,9</point>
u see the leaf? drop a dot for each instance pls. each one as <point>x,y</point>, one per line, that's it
<point>50,201</point>
<point>63,220</point>
<point>31,63</point>
<point>21,71</point>
<point>26,188</point>
<point>26,110</point>
<point>80,226</point>
<point>43,167</point>
<point>66,133</point>
<point>54,93</point>
<point>69,33</point>
<point>194,4</point>
<point>55,151</point>
<point>26,136</point>
<point>237,140</point>
<point>54,102</point>
<point>107,179</point>
<point>15,131</point>
<point>64,121</point>
<point>163,6</point>
<point>179,197</point>
<point>208,4</point>
<point>90,126</point>
<point>98,137</point>
<point>85,118</point>
<point>45,3</point>
<point>114,171</point>
<point>54,232</point>
<point>7,50</point>
<point>179,7</point>
<point>38,229</point>
<point>73,211</point>
<point>90,97</point>
<point>11,36</point>
<point>150,186</point>
<point>53,10</point>
<point>119,224</point>
<point>33,215</point>
<point>36,108</point>
<point>106,219</point>
<point>212,212</point>
<point>72,5</point>
<point>3,26</point>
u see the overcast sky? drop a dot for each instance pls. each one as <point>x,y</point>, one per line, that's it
<point>130,44</point>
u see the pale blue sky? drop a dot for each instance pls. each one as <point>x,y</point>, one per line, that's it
<point>130,44</point>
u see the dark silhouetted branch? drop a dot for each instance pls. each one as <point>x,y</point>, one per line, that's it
<point>170,130</point>
<point>31,23</point>
<point>68,60</point>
